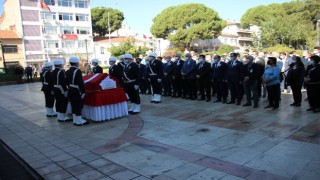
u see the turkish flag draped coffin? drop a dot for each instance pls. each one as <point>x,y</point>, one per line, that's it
<point>102,89</point>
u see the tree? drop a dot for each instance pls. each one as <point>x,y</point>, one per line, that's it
<point>99,16</point>
<point>224,49</point>
<point>184,23</point>
<point>128,47</point>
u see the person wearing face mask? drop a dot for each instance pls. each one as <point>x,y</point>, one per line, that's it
<point>235,76</point>
<point>47,88</point>
<point>188,73</point>
<point>271,78</point>
<point>287,60</point>
<point>114,69</point>
<point>203,69</point>
<point>168,73</point>
<point>177,82</point>
<point>219,78</point>
<point>96,68</point>
<point>295,78</point>
<point>312,81</point>
<point>155,74</point>
<point>131,81</point>
<point>142,76</point>
<point>121,66</point>
<point>316,51</point>
<point>76,91</point>
<point>250,81</point>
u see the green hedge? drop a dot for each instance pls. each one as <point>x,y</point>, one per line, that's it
<point>4,77</point>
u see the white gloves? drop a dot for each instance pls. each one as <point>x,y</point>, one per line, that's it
<point>66,94</point>
<point>136,87</point>
<point>82,96</point>
<point>159,80</point>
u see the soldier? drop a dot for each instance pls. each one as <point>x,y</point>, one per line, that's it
<point>131,83</point>
<point>168,72</point>
<point>155,75</point>
<point>219,77</point>
<point>189,76</point>
<point>235,76</point>
<point>76,91</point>
<point>203,71</point>
<point>47,88</point>
<point>96,68</point>
<point>114,70</point>
<point>177,78</point>
<point>121,66</point>
<point>29,73</point>
<point>142,76</point>
<point>60,90</point>
<point>312,81</point>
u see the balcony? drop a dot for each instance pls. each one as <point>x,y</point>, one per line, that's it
<point>244,31</point>
<point>245,39</point>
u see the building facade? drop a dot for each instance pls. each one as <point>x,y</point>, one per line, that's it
<point>60,29</point>
<point>10,48</point>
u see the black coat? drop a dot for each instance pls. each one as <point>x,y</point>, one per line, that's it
<point>295,75</point>
<point>156,68</point>
<point>77,78</point>
<point>220,72</point>
<point>142,71</point>
<point>314,74</point>
<point>203,70</point>
<point>168,68</point>
<point>177,66</point>
<point>47,83</point>
<point>131,72</point>
<point>252,71</point>
<point>262,66</point>
<point>97,69</point>
<point>235,72</point>
<point>115,71</point>
<point>62,78</point>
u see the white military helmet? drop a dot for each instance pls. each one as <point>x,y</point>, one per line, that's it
<point>127,56</point>
<point>74,60</point>
<point>95,60</point>
<point>58,62</point>
<point>48,64</point>
<point>152,54</point>
<point>112,59</point>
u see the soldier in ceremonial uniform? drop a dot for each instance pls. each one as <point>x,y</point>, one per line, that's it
<point>60,90</point>
<point>76,91</point>
<point>114,70</point>
<point>96,68</point>
<point>131,83</point>
<point>219,78</point>
<point>142,76</point>
<point>168,73</point>
<point>47,88</point>
<point>177,82</point>
<point>121,66</point>
<point>312,81</point>
<point>203,70</point>
<point>155,74</point>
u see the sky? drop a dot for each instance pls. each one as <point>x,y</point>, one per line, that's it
<point>139,13</point>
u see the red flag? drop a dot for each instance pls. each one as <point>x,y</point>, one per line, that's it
<point>69,36</point>
<point>144,36</point>
<point>44,5</point>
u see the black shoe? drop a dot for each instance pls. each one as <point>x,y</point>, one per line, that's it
<point>293,104</point>
<point>224,101</point>
<point>87,122</point>
<point>52,115</point>
<point>238,103</point>
<point>310,109</point>
<point>298,104</point>
<point>217,101</point>
<point>264,96</point>
<point>231,102</point>
<point>276,107</point>
<point>157,102</point>
<point>255,106</point>
<point>202,99</point>
<point>269,106</point>
<point>152,101</point>
<point>208,100</point>
<point>246,104</point>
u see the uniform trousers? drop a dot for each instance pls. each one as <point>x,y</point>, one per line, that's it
<point>76,101</point>
<point>156,86</point>
<point>49,99</point>
<point>204,87</point>
<point>313,95</point>
<point>236,91</point>
<point>61,101</point>
<point>190,88</point>
<point>177,87</point>
<point>167,85</point>
<point>221,89</point>
<point>132,92</point>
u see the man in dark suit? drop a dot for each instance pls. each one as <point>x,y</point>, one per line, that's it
<point>114,69</point>
<point>219,77</point>
<point>177,81</point>
<point>96,68</point>
<point>259,60</point>
<point>168,73</point>
<point>251,76</point>
<point>188,73</point>
<point>155,74</point>
<point>142,76</point>
<point>203,71</point>
<point>235,76</point>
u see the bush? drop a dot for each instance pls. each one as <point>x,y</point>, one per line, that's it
<point>4,77</point>
<point>224,49</point>
<point>278,48</point>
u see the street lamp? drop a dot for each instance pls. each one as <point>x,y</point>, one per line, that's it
<point>86,41</point>
<point>4,60</point>
<point>213,43</point>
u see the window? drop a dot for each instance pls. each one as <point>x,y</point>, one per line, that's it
<point>48,16</point>
<point>81,4</point>
<point>49,30</point>
<point>83,30</point>
<point>50,2</point>
<point>67,30</point>
<point>101,50</point>
<point>68,44</point>
<point>83,44</point>
<point>66,16</point>
<point>65,3</point>
<point>51,44</point>
<point>82,17</point>
<point>10,49</point>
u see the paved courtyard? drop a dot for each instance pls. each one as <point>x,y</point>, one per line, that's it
<point>177,139</point>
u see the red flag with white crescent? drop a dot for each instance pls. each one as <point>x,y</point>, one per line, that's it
<point>44,5</point>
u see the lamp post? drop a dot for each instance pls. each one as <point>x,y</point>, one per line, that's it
<point>86,41</point>
<point>213,43</point>
<point>3,59</point>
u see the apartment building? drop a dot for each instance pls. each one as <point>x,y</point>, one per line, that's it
<point>50,29</point>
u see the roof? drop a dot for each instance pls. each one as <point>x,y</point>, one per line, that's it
<point>115,39</point>
<point>228,34</point>
<point>3,15</point>
<point>232,23</point>
<point>6,34</point>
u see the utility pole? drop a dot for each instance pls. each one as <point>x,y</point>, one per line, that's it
<point>3,59</point>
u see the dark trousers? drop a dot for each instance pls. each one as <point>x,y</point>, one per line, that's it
<point>76,101</point>
<point>251,86</point>
<point>274,95</point>
<point>296,93</point>
<point>156,86</point>
<point>132,93</point>
<point>236,90</point>
<point>221,89</point>
<point>313,95</point>
<point>143,86</point>
<point>213,88</point>
<point>204,87</point>
<point>49,99</point>
<point>61,101</point>
<point>29,77</point>
<point>177,87</point>
<point>167,85</point>
<point>190,88</point>
<point>259,87</point>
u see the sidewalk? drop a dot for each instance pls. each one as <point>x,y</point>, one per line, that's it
<point>177,139</point>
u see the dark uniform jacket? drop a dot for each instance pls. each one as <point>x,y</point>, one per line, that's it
<point>203,69</point>
<point>177,66</point>
<point>235,71</point>
<point>220,71</point>
<point>142,71</point>
<point>262,66</point>
<point>97,69</point>
<point>252,71</point>
<point>74,79</point>
<point>59,80</point>
<point>168,68</point>
<point>29,70</point>
<point>121,66</point>
<point>189,69</point>
<point>115,71</point>
<point>47,83</point>
<point>295,75</point>
<point>314,74</point>
<point>155,69</point>
<point>131,73</point>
